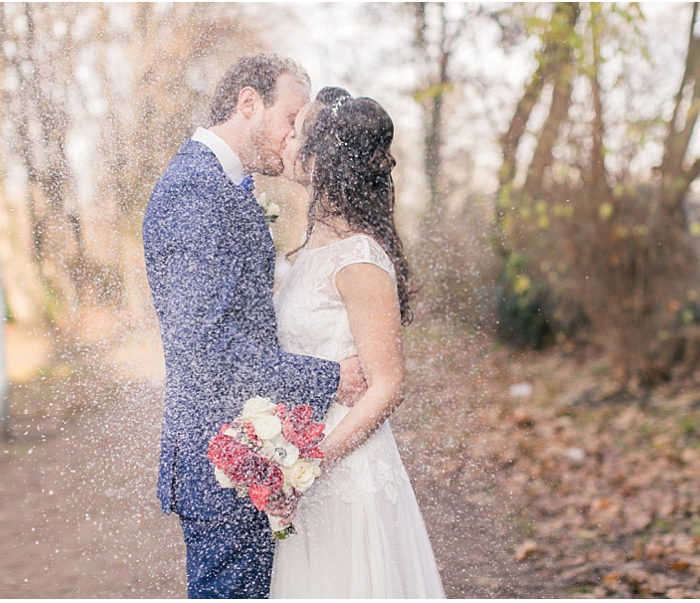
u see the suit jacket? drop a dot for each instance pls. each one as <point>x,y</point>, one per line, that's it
<point>210,265</point>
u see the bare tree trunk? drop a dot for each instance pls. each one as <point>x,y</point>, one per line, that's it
<point>675,178</point>
<point>509,145</point>
<point>56,179</point>
<point>563,71</point>
<point>598,173</point>
<point>4,389</point>
<point>57,233</point>
<point>433,138</point>
<point>554,64</point>
<point>23,146</point>
<point>516,129</point>
<point>436,84</point>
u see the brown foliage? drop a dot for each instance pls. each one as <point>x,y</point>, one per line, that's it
<point>598,488</point>
<point>630,270</point>
<point>605,245</point>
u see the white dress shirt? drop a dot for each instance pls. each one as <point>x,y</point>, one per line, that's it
<point>225,154</point>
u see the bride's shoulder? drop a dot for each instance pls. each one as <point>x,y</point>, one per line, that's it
<point>357,244</point>
<point>361,248</point>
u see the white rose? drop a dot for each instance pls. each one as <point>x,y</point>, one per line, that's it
<point>226,482</point>
<point>280,451</point>
<point>223,479</point>
<point>273,209</point>
<point>266,426</point>
<point>275,523</point>
<point>301,474</point>
<point>256,407</point>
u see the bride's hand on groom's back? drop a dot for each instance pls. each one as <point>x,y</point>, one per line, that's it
<point>352,382</point>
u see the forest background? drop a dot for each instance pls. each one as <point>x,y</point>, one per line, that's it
<point>547,195</point>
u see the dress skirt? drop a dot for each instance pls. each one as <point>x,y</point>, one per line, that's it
<point>360,533</point>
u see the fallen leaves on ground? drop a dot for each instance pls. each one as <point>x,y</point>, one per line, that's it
<point>602,487</point>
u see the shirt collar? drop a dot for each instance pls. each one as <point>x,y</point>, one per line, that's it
<point>225,154</point>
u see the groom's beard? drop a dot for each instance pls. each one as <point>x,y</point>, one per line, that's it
<point>268,160</point>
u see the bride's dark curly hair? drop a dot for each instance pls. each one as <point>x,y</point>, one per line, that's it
<point>350,143</point>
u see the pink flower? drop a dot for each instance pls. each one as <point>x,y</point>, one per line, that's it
<point>299,429</point>
<point>229,455</point>
<point>265,479</point>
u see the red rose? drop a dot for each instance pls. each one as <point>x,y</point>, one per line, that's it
<point>313,453</point>
<point>259,496</point>
<point>229,455</point>
<point>265,479</point>
<point>300,429</point>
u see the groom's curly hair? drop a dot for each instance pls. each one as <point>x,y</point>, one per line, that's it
<point>259,72</point>
<point>350,142</point>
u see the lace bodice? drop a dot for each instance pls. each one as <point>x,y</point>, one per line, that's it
<point>312,320</point>
<point>311,316</point>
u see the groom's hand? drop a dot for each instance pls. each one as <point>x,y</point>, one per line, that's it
<point>352,382</point>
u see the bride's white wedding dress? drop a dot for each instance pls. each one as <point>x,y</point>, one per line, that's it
<point>360,533</point>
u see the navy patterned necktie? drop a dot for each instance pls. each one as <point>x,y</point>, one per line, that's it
<point>248,183</point>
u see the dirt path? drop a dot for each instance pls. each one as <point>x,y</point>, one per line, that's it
<point>78,515</point>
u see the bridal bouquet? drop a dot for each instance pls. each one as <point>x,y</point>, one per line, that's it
<point>268,449</point>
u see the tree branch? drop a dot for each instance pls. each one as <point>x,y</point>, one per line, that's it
<point>690,175</point>
<point>561,99</point>
<point>674,179</point>
<point>598,173</point>
<point>511,139</point>
<point>670,148</point>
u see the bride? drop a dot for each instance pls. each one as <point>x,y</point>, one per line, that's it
<point>360,533</point>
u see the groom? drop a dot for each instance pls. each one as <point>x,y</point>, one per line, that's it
<point>210,262</point>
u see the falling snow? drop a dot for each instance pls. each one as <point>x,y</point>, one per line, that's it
<point>536,475</point>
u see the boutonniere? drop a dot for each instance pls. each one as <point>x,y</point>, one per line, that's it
<point>271,210</point>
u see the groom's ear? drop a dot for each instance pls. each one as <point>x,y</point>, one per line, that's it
<point>248,101</point>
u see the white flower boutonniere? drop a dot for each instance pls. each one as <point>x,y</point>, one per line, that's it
<point>271,210</point>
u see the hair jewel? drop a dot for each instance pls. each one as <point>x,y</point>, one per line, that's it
<point>336,105</point>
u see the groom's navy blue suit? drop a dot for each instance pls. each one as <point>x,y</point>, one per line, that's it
<point>210,264</point>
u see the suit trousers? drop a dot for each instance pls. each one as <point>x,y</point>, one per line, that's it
<point>228,560</point>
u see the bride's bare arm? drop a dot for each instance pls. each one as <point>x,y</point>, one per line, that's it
<point>372,305</point>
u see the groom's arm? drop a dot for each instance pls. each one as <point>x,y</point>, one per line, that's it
<point>204,274</point>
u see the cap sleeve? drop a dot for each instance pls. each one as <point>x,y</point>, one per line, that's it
<point>363,249</point>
